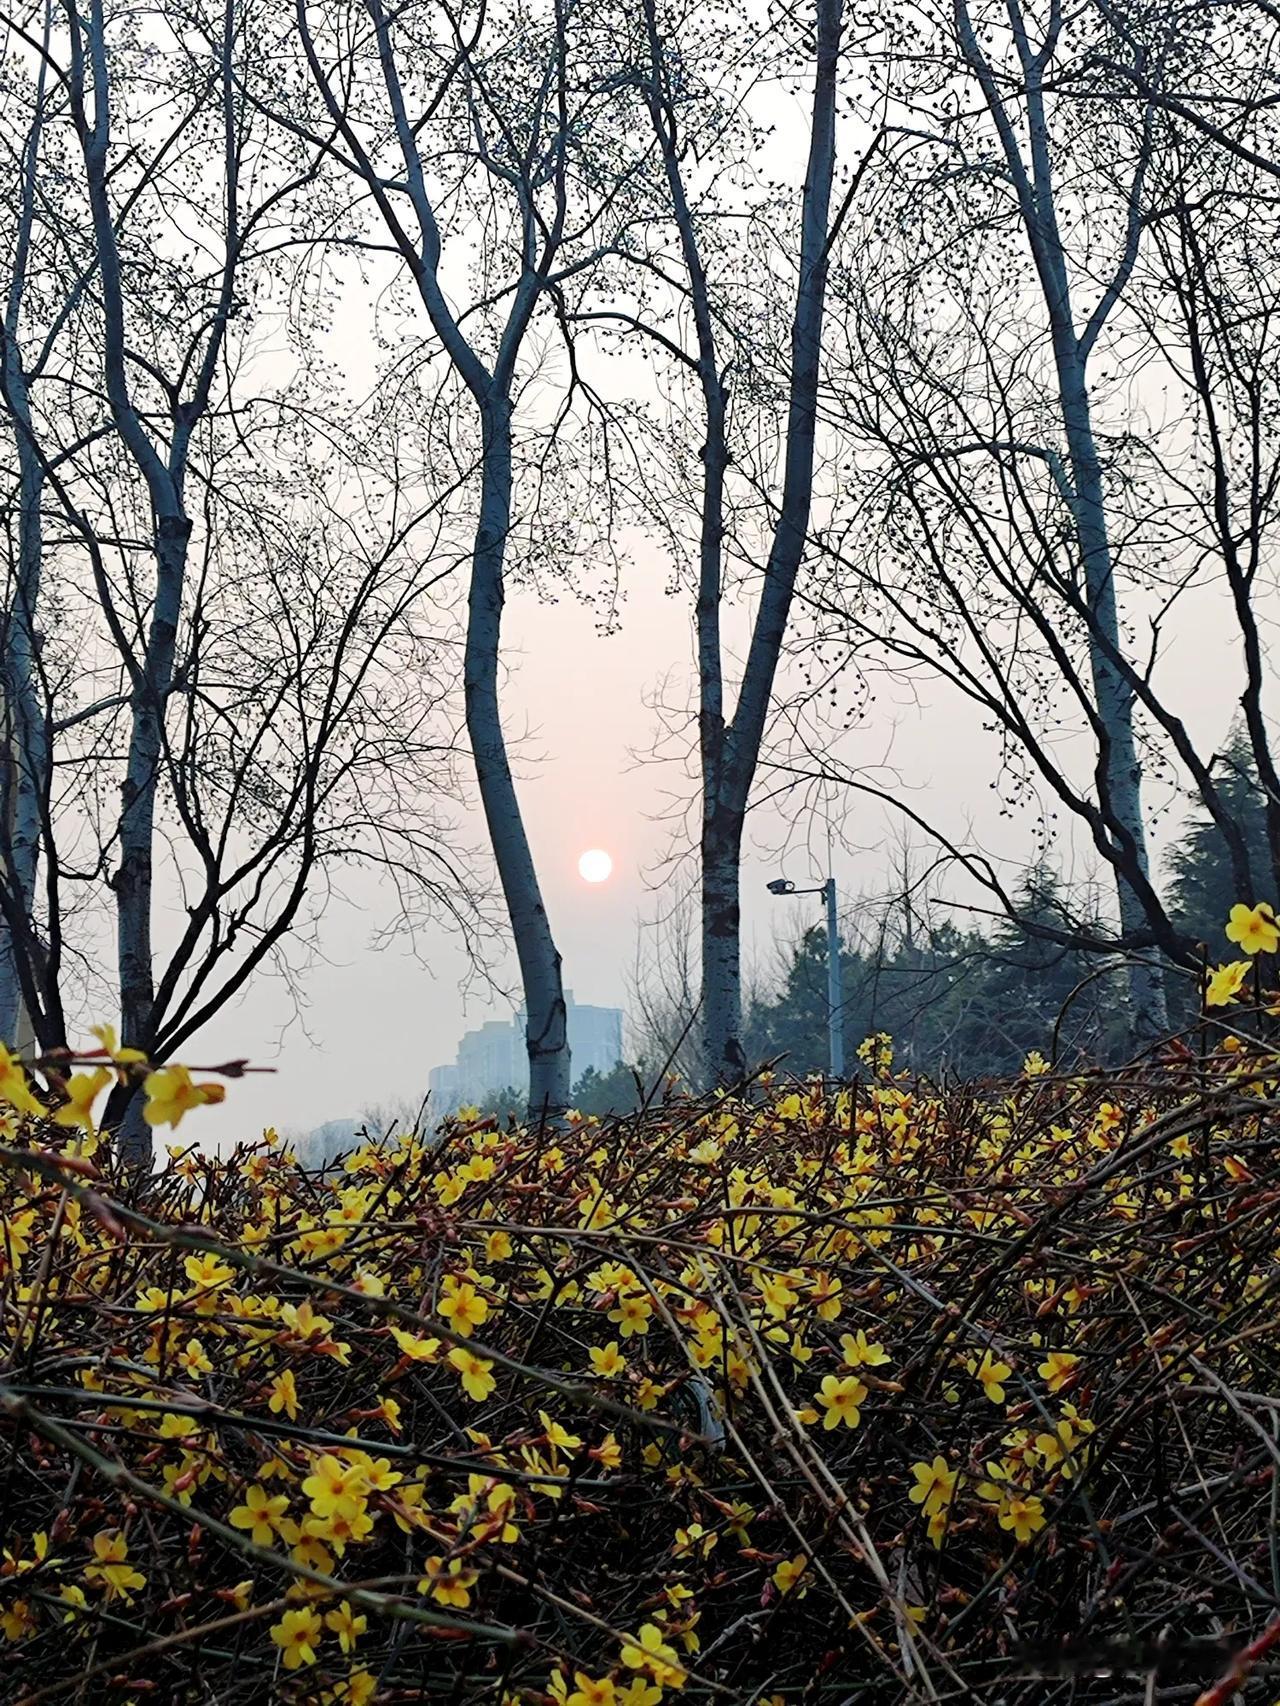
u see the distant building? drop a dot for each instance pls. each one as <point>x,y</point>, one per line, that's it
<point>493,1057</point>
<point>319,1146</point>
<point>595,1037</point>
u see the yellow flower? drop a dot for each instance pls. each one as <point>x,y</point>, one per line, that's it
<point>263,1515</point>
<point>591,1692</point>
<point>379,1476</point>
<point>1226,982</point>
<point>358,1689</point>
<point>16,1234</point>
<point>341,1527</point>
<point>638,1692</point>
<point>779,1294</point>
<point>106,1037</point>
<point>608,1363</point>
<point>1022,1514</point>
<point>474,1371</point>
<point>497,1246</point>
<point>16,1620</point>
<point>935,1485</point>
<point>346,1625</point>
<point>193,1359</point>
<point>694,1539</point>
<point>859,1354</point>
<point>449,1187</point>
<point>207,1271</point>
<point>412,1345</point>
<point>647,1394</point>
<point>1056,1369</point>
<point>1254,928</point>
<point>13,1086</point>
<point>1064,1448</point>
<point>334,1487</point>
<point>83,1089</point>
<point>936,1525</point>
<point>991,1374</point>
<point>841,1397</point>
<point>647,1651</point>
<point>462,1307</point>
<point>608,1453</point>
<point>297,1634</point>
<point>73,1596</point>
<point>368,1284</point>
<point>789,1572</point>
<point>171,1094</point>
<point>313,1553</point>
<point>407,1510</point>
<point>303,1321</point>
<point>558,1436</point>
<point>826,1296</point>
<point>284,1395</point>
<point>449,1583</point>
<point>110,1569</point>
<point>632,1315</point>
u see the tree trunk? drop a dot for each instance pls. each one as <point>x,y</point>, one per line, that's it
<point>133,879</point>
<point>26,765</point>
<point>730,756</point>
<point>25,999</point>
<point>546,1032</point>
<point>1120,769</point>
<point>723,1055</point>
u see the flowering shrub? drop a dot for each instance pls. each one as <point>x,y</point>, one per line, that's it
<point>882,1395</point>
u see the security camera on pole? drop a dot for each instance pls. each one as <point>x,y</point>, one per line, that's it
<point>835,1030</point>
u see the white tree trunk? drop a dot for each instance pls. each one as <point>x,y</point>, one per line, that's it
<point>546,1032</point>
<point>726,787</point>
<point>25,726</point>
<point>1119,765</point>
<point>26,760</point>
<point>1119,772</point>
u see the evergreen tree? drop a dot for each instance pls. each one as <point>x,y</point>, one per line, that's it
<point>793,1024</point>
<point>967,1003</point>
<point>1019,992</point>
<point>1201,887</point>
<point>612,1092</point>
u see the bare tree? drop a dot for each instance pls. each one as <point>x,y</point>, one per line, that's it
<point>451,124</point>
<point>1211,308</point>
<point>254,661</point>
<point>1013,488</point>
<point>689,305</point>
<point>663,990</point>
<point>27,982</point>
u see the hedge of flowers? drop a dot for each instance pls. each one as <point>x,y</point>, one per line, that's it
<point>882,1393</point>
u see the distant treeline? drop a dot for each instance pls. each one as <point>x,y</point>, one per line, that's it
<point>973,1002</point>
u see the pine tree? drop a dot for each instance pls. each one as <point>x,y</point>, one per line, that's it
<point>1201,887</point>
<point>968,1003</point>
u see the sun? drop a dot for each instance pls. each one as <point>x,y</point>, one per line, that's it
<point>595,865</point>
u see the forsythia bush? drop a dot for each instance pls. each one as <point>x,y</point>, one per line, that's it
<point>889,1394</point>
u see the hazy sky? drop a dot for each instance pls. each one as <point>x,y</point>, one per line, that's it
<point>377,1019</point>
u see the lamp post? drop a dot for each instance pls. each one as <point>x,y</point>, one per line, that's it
<point>835,1030</point>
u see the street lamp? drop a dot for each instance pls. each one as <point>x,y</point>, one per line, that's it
<point>835,1032</point>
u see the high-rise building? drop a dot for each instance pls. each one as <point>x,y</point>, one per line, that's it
<point>595,1037</point>
<point>493,1057</point>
